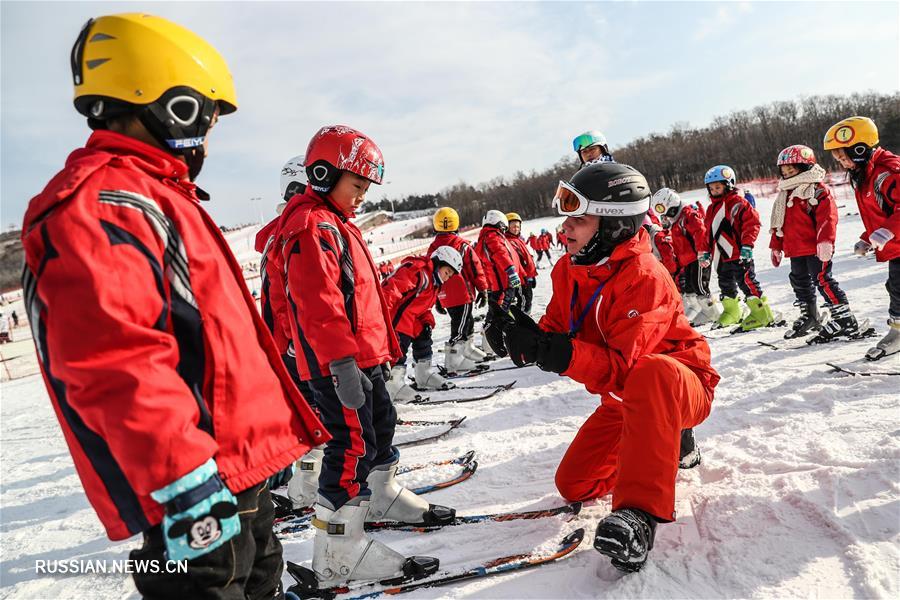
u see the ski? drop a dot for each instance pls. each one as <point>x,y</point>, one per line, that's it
<point>431,437</point>
<point>419,423</point>
<point>306,589</point>
<point>301,519</point>
<point>495,390</point>
<point>478,370</point>
<point>862,370</point>
<point>795,343</point>
<point>567,509</point>
<point>459,460</point>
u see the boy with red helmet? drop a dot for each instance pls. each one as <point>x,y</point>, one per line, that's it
<point>180,411</point>
<point>732,225</point>
<point>803,228</point>
<point>411,292</point>
<point>460,295</point>
<point>345,342</point>
<point>875,175</point>
<point>615,324</point>
<point>526,267</point>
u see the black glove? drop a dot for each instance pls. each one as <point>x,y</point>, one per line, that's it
<point>439,308</point>
<point>528,343</point>
<point>481,299</point>
<point>497,319</point>
<point>531,281</point>
<point>350,383</point>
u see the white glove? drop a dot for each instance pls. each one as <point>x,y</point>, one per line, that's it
<point>880,237</point>
<point>824,251</point>
<point>861,247</point>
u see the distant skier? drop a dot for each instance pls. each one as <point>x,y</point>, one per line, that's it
<point>4,329</point>
<point>591,146</point>
<point>803,228</point>
<point>615,323</point>
<point>170,391</point>
<point>527,269</point>
<point>732,226</point>
<point>461,295</point>
<point>342,330</point>
<point>561,239</point>
<point>875,175</point>
<point>411,292</point>
<point>541,245</point>
<point>689,239</point>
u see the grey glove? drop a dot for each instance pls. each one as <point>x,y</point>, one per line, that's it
<point>350,383</point>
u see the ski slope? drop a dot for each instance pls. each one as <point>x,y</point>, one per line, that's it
<point>797,495</point>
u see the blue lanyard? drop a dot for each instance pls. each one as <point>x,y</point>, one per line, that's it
<point>575,325</point>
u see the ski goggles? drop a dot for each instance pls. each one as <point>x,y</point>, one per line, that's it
<point>586,140</point>
<point>569,202</point>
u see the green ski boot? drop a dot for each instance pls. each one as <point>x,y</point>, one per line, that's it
<point>760,314</point>
<point>731,312</point>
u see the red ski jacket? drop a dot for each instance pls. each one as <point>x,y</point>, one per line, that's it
<point>806,225</point>
<point>663,249</point>
<point>497,256</point>
<point>878,198</point>
<point>638,312</point>
<point>460,289</point>
<point>561,238</point>
<point>526,261</point>
<point>151,347</point>
<point>731,222</point>
<point>689,236</point>
<point>410,293</point>
<point>546,240</point>
<point>273,301</point>
<point>334,289</point>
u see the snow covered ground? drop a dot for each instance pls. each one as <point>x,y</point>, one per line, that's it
<point>798,494</point>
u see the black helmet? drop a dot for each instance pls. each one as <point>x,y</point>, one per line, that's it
<point>615,192</point>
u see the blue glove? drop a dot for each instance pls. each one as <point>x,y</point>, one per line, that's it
<point>746,254</point>
<point>513,278</point>
<point>201,513</point>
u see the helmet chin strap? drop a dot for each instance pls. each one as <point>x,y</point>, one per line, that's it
<point>594,251</point>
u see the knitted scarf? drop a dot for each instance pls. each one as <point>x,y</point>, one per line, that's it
<point>804,187</point>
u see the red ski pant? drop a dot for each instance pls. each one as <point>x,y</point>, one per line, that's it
<point>631,447</point>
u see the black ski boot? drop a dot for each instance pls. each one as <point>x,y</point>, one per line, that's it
<point>626,536</point>
<point>808,321</point>
<point>689,456</point>
<point>842,324</point>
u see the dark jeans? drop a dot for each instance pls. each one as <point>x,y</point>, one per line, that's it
<point>249,565</point>
<point>893,286</point>
<point>361,438</point>
<point>694,280</point>
<point>462,322</point>
<point>421,346</point>
<point>809,273</point>
<point>735,274</point>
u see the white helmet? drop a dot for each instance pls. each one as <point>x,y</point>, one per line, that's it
<point>449,256</point>
<point>666,203</point>
<point>495,218</point>
<point>293,178</point>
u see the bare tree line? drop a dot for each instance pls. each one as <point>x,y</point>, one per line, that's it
<point>748,141</point>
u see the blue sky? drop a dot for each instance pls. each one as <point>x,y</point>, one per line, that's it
<point>450,91</point>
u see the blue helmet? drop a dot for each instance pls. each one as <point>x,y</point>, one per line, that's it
<point>720,173</point>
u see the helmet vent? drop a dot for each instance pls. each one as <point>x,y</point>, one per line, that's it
<point>93,64</point>
<point>183,109</point>
<point>101,37</point>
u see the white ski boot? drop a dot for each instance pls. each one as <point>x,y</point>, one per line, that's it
<point>343,552</point>
<point>486,348</point>
<point>303,488</point>
<point>397,387</point>
<point>455,358</point>
<point>709,312</point>
<point>692,306</point>
<point>889,344</point>
<point>426,379</point>
<point>391,501</point>
<point>472,352</point>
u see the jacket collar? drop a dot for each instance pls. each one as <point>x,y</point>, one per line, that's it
<point>639,244</point>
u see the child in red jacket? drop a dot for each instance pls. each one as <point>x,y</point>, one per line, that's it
<point>803,228</point>
<point>411,292</point>
<point>527,269</point>
<point>615,324</point>
<point>732,225</point>
<point>500,266</point>
<point>875,175</point>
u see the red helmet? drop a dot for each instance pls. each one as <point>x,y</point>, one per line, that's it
<point>797,155</point>
<point>337,148</point>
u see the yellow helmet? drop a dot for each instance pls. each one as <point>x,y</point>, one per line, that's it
<point>512,216</point>
<point>859,134</point>
<point>136,58</point>
<point>446,219</point>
